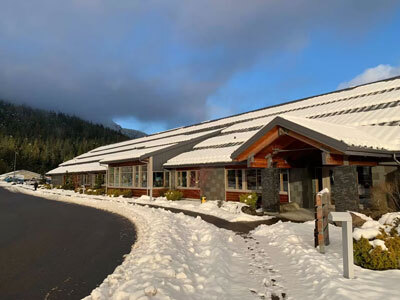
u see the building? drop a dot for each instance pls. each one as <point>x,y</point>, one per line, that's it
<point>347,141</point>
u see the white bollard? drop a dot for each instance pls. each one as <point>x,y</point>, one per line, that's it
<point>347,241</point>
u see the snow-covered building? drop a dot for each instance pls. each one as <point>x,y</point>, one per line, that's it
<point>347,141</point>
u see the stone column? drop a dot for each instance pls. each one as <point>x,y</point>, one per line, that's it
<point>270,189</point>
<point>345,188</point>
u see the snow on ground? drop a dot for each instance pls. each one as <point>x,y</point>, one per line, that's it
<point>307,274</point>
<point>231,211</point>
<point>178,257</point>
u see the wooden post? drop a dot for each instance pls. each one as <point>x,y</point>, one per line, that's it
<point>321,231</point>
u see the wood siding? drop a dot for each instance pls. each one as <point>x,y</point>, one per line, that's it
<point>190,193</point>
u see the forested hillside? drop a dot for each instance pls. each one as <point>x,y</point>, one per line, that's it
<point>44,139</point>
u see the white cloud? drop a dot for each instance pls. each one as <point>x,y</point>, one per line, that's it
<point>372,74</point>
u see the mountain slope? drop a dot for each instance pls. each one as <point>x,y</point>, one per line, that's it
<point>131,133</point>
<point>45,139</point>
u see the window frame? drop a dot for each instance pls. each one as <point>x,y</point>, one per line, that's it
<point>179,179</point>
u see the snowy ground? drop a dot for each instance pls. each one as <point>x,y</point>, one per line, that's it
<point>180,257</point>
<point>230,211</point>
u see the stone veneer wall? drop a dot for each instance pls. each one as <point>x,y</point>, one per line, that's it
<point>379,174</point>
<point>57,180</point>
<point>300,186</point>
<point>270,189</point>
<point>213,183</point>
<point>345,188</point>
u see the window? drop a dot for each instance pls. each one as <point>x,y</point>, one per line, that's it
<point>144,175</point>
<point>136,176</point>
<point>188,178</point>
<point>111,176</point>
<point>166,179</point>
<point>161,179</point>
<point>116,176</point>
<point>234,179</point>
<point>126,176</point>
<point>182,178</point>
<point>86,179</point>
<point>251,176</point>
<point>284,181</point>
<point>193,179</point>
<point>158,179</point>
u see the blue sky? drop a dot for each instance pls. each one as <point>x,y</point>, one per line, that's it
<point>156,64</point>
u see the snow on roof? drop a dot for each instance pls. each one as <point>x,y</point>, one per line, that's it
<point>226,139</point>
<point>350,135</point>
<point>132,155</point>
<point>370,104</point>
<point>148,144</point>
<point>79,168</point>
<point>202,156</point>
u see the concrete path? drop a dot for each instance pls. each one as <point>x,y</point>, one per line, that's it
<point>54,250</point>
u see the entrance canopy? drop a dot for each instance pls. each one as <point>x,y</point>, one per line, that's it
<point>289,141</point>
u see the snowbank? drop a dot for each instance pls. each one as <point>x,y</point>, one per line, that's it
<point>176,257</point>
<point>230,211</point>
<point>307,274</point>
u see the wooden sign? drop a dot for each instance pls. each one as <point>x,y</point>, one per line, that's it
<point>321,231</point>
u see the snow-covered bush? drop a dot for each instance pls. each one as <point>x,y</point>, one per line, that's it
<point>249,199</point>
<point>173,195</point>
<point>377,244</point>
<point>96,192</point>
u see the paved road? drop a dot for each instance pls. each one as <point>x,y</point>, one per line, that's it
<point>54,250</point>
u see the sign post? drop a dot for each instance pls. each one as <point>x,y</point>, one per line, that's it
<point>347,241</point>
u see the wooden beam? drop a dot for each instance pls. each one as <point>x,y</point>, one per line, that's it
<point>329,159</point>
<point>363,163</point>
<point>311,142</point>
<point>263,142</point>
<point>276,163</point>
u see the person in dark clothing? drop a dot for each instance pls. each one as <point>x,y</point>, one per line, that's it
<point>35,185</point>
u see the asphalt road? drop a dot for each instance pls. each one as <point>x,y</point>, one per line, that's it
<point>55,250</point>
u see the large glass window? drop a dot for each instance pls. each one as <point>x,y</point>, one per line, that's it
<point>136,176</point>
<point>232,179</point>
<point>239,179</point>
<point>116,177</point>
<point>193,179</point>
<point>144,175</point>
<point>158,179</point>
<point>251,176</point>
<point>111,176</point>
<point>126,176</point>
<point>187,178</point>
<point>284,181</point>
<point>166,179</point>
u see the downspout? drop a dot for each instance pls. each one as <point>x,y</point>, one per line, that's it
<point>395,159</point>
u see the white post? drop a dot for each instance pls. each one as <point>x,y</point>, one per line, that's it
<point>150,176</point>
<point>347,241</point>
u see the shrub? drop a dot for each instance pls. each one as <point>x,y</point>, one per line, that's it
<point>96,192</point>
<point>47,186</point>
<point>249,199</point>
<point>162,192</point>
<point>127,194</point>
<point>366,256</point>
<point>173,195</point>
<point>117,193</point>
